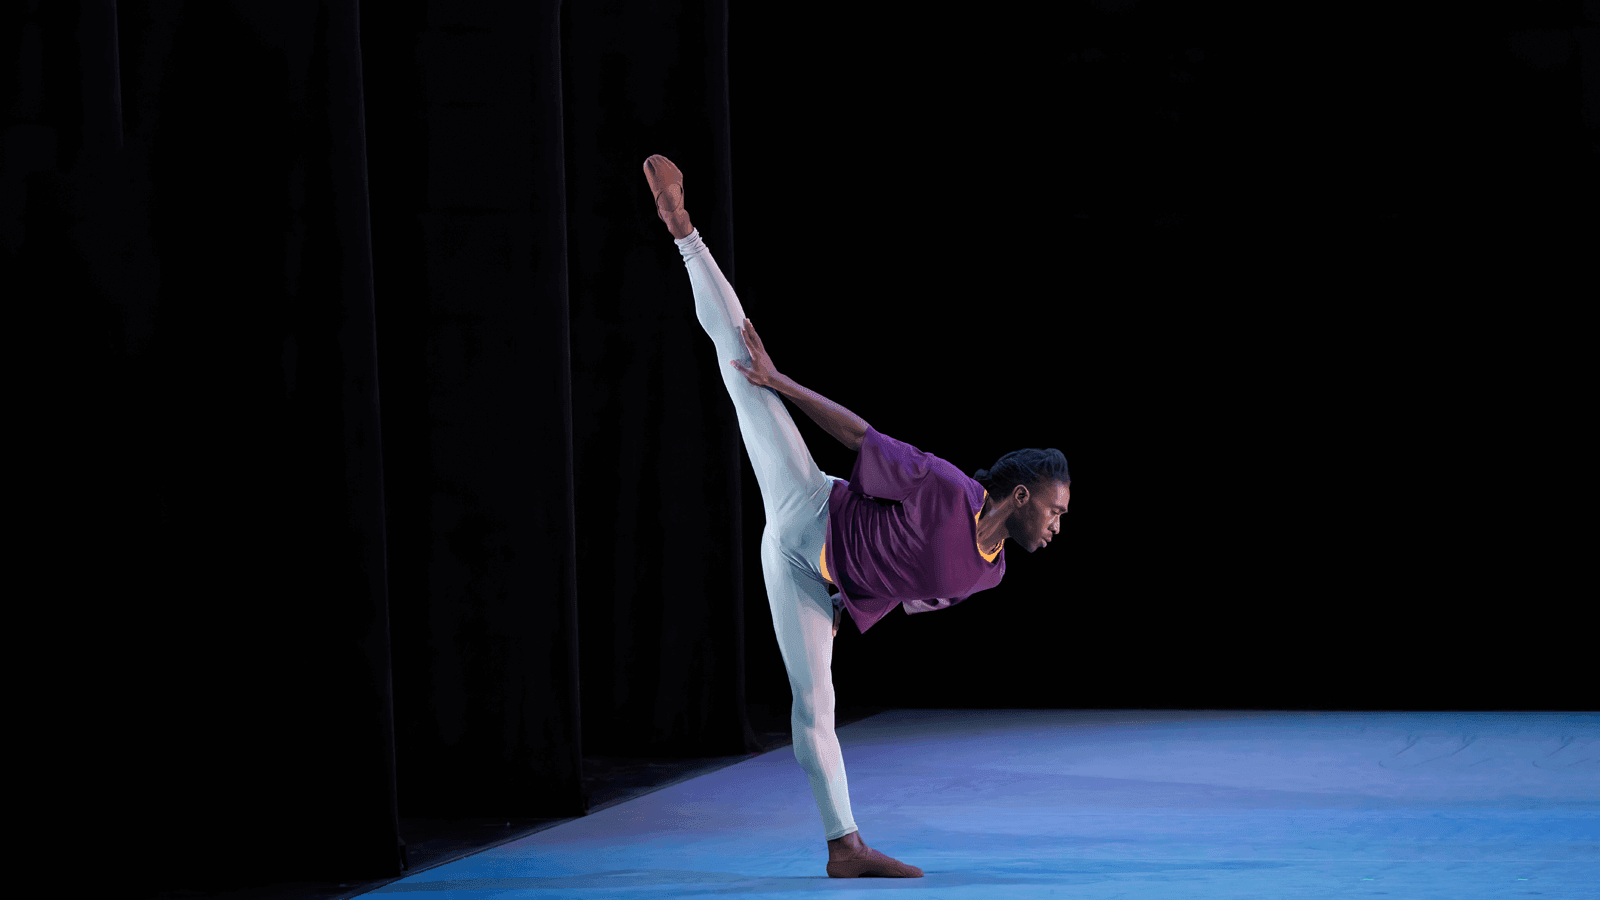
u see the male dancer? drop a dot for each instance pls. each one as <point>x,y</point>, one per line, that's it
<point>931,538</point>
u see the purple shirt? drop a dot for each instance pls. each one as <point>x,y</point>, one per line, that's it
<point>920,551</point>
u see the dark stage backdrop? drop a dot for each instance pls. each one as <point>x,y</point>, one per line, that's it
<point>188,219</point>
<point>1289,290</point>
<point>384,472</point>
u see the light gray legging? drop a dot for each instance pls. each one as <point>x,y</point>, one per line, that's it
<point>795,494</point>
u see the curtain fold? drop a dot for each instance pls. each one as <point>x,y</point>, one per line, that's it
<point>659,502</point>
<point>470,247</point>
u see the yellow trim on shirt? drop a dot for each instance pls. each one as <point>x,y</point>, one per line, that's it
<point>988,556</point>
<point>822,558</point>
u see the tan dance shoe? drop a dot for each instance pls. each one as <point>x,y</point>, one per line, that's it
<point>666,183</point>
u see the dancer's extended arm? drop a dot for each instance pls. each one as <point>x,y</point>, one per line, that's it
<point>847,428</point>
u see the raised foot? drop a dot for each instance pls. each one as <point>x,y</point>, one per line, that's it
<point>666,185</point>
<point>871,864</point>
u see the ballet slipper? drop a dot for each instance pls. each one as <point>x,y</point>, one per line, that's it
<point>666,185</point>
<point>871,864</point>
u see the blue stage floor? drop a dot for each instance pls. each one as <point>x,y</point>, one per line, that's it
<point>1146,805</point>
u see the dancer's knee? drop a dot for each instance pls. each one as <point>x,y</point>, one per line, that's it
<point>813,707</point>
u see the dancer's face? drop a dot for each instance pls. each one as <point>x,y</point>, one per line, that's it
<point>1037,519</point>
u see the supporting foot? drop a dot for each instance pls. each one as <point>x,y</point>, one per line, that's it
<point>666,184</point>
<point>850,857</point>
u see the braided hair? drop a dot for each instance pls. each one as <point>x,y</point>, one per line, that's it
<point>1030,468</point>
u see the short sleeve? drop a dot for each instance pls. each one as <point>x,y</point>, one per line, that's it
<point>887,468</point>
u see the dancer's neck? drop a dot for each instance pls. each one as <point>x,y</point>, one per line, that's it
<point>991,526</point>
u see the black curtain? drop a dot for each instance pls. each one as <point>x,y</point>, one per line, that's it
<point>189,219</point>
<point>659,494</point>
<point>351,357</point>
<point>313,624</point>
<point>470,246</point>
<point>193,213</point>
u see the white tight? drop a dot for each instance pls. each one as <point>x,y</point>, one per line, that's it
<point>794,493</point>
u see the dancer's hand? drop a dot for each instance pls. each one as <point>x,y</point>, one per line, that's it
<point>758,371</point>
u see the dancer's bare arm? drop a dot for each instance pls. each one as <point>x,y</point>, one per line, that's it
<point>846,427</point>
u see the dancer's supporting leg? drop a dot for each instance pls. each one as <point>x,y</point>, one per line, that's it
<point>794,493</point>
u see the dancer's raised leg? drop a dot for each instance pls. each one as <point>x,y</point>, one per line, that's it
<point>789,479</point>
<point>794,493</point>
